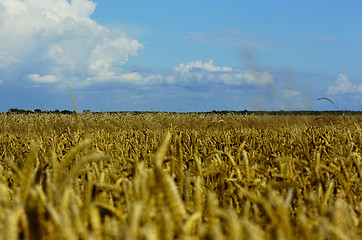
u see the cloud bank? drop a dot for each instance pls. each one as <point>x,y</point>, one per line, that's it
<point>42,79</point>
<point>45,44</point>
<point>196,74</point>
<point>343,85</point>
<point>206,73</point>
<point>55,40</point>
<point>291,93</point>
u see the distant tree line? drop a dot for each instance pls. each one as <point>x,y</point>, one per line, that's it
<point>37,111</point>
<point>243,112</point>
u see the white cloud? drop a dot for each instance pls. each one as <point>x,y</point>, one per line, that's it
<point>137,78</point>
<point>206,73</point>
<point>258,78</point>
<point>42,79</point>
<point>131,79</point>
<point>133,76</point>
<point>190,74</point>
<point>208,66</point>
<point>291,93</point>
<point>112,53</point>
<point>6,60</point>
<point>343,85</point>
<point>57,37</point>
<point>57,41</point>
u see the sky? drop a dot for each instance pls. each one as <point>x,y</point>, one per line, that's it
<point>180,56</point>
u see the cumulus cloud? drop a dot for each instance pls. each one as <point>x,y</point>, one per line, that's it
<point>107,55</point>
<point>343,85</point>
<point>196,74</point>
<point>199,72</point>
<point>137,78</point>
<point>42,79</point>
<point>291,93</point>
<point>58,38</point>
<point>258,78</point>
<point>56,41</point>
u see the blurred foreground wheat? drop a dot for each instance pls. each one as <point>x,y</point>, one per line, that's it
<point>180,176</point>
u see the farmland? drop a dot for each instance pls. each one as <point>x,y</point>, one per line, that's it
<point>180,176</point>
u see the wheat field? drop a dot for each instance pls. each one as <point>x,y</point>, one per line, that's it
<point>180,176</point>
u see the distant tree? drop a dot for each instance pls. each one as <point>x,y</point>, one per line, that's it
<point>13,110</point>
<point>67,112</point>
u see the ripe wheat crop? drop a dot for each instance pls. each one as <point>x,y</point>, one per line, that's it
<point>180,176</point>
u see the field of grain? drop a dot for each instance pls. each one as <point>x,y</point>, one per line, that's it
<point>180,176</point>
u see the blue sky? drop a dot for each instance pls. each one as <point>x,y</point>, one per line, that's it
<point>180,55</point>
